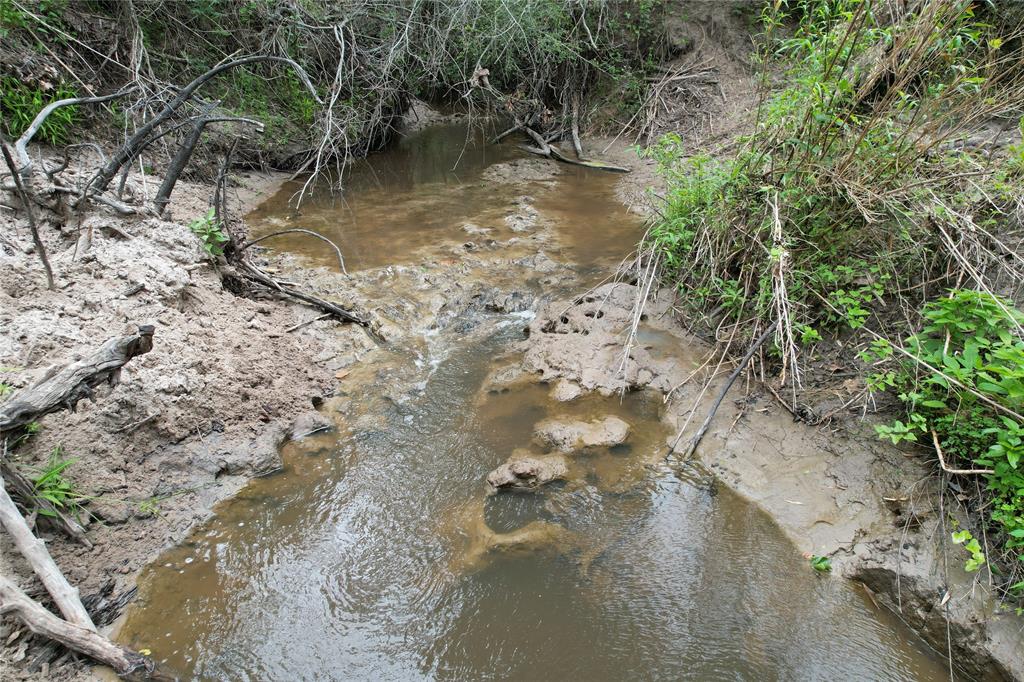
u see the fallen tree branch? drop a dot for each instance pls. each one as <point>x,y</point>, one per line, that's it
<point>178,163</point>
<point>252,273</point>
<point>501,136</point>
<point>337,251</point>
<point>576,126</point>
<point>131,147</point>
<point>66,386</point>
<point>23,195</point>
<point>21,144</point>
<point>699,436</point>
<point>32,548</point>
<point>546,150</point>
<point>13,601</point>
<point>947,469</point>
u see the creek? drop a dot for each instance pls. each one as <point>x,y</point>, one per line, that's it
<point>373,553</point>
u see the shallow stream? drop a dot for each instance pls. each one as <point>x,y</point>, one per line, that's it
<point>376,553</point>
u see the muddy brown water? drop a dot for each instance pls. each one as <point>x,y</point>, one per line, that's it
<point>367,557</point>
<point>406,204</point>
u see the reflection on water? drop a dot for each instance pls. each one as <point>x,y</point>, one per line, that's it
<point>368,556</point>
<point>416,198</point>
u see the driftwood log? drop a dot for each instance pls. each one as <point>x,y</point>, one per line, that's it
<point>13,601</point>
<point>64,387</point>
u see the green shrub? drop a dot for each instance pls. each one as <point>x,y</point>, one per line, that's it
<point>210,233</point>
<point>852,187</point>
<point>962,382</point>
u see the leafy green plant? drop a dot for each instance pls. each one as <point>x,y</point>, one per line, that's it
<point>973,547</point>
<point>962,383</point>
<point>20,102</point>
<point>53,486</point>
<point>5,389</point>
<point>210,233</point>
<point>822,564</point>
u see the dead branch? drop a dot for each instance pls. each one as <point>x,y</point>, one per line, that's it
<point>699,436</point>
<point>576,126</point>
<point>249,272</point>
<point>21,144</point>
<point>546,150</point>
<point>23,195</point>
<point>63,388</point>
<point>13,601</point>
<point>134,144</point>
<point>178,163</point>
<point>220,196</point>
<point>947,469</point>
<point>32,548</point>
<point>184,154</point>
<point>337,251</point>
<point>501,136</point>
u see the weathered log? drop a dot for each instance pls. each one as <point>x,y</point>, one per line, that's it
<point>13,601</point>
<point>32,548</point>
<point>63,388</point>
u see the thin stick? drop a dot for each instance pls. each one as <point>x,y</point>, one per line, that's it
<point>695,441</point>
<point>40,249</point>
<point>300,325</point>
<point>252,273</point>
<point>337,251</point>
<point>959,472</point>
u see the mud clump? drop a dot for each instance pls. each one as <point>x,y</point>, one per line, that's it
<point>528,472</point>
<point>567,436</point>
<point>565,391</point>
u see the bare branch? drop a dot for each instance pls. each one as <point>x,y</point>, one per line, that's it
<point>337,251</point>
<point>21,144</point>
